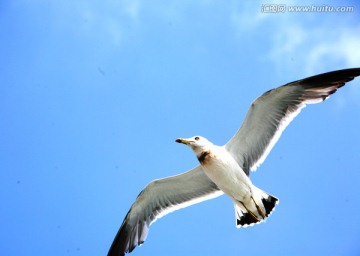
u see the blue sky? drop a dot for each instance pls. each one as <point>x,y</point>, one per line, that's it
<point>94,93</point>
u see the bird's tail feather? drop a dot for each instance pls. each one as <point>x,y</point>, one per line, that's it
<point>255,210</point>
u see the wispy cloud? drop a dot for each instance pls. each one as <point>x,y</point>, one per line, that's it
<point>316,49</point>
<point>341,46</point>
<point>295,42</point>
<point>246,16</point>
<point>297,45</point>
<point>105,22</point>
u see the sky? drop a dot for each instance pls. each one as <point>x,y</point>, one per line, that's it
<point>94,93</point>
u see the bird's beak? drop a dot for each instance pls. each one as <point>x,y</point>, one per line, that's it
<point>183,141</point>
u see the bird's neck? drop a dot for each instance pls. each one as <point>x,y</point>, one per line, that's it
<point>203,156</point>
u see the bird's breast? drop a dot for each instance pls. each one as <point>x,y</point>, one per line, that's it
<point>224,171</point>
<point>216,159</point>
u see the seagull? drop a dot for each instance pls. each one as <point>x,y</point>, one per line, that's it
<point>225,169</point>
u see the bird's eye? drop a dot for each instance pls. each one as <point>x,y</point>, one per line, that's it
<point>196,138</point>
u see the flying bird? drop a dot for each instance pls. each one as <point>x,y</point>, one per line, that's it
<point>226,169</point>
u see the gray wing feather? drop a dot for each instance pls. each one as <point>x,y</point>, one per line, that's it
<point>270,114</point>
<point>159,198</point>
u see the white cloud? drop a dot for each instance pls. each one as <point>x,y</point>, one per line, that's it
<point>246,16</point>
<point>106,22</point>
<point>343,46</point>
<point>301,40</point>
<point>132,8</point>
<point>314,48</point>
<point>317,50</point>
<point>303,43</point>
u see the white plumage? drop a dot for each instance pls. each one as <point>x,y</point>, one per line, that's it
<point>252,205</point>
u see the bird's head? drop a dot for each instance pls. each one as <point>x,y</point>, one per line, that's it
<point>197,143</point>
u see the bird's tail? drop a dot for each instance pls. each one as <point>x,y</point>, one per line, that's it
<point>255,210</point>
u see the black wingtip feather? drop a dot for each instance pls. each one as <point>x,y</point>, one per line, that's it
<point>337,78</point>
<point>122,242</point>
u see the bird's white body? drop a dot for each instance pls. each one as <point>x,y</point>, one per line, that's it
<point>252,205</point>
<point>225,172</point>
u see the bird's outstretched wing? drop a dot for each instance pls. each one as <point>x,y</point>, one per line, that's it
<point>269,114</point>
<point>157,199</point>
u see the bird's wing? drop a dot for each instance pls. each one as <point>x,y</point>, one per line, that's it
<point>159,198</point>
<point>269,114</point>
